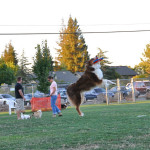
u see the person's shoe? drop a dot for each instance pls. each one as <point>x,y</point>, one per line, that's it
<point>59,114</point>
<point>54,116</point>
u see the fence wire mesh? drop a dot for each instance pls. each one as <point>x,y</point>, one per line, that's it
<point>116,91</point>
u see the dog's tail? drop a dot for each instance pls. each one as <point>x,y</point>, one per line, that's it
<point>82,97</point>
<point>70,94</point>
<point>69,100</point>
<point>75,96</point>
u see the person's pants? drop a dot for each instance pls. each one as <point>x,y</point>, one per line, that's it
<point>55,109</point>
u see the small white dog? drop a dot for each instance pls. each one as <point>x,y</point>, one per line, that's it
<point>25,116</point>
<point>37,114</point>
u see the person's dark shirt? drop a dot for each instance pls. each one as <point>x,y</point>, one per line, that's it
<point>18,87</point>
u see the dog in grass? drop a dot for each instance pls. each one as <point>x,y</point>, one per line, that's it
<point>92,77</point>
<point>64,106</point>
<point>37,114</point>
<point>23,116</point>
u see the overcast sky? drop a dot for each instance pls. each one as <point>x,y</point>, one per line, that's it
<point>92,16</point>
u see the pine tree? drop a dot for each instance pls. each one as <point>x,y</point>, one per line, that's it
<point>43,64</point>
<point>73,53</point>
<point>10,54</point>
<point>23,69</point>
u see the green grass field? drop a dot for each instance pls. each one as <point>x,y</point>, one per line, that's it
<point>103,127</point>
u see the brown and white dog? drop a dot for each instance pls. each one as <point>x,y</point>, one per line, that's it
<point>37,114</point>
<point>91,78</point>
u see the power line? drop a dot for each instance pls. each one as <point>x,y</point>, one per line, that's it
<point>101,32</point>
<point>28,25</point>
<point>127,24</point>
<point>15,25</point>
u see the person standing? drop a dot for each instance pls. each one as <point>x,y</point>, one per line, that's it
<point>19,98</point>
<point>53,95</point>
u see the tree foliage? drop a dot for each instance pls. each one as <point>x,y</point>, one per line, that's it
<point>105,61</point>
<point>72,53</point>
<point>43,64</point>
<point>9,54</point>
<point>143,68</point>
<point>7,74</point>
<point>23,69</point>
<point>8,65</point>
<point>109,73</point>
<point>145,61</point>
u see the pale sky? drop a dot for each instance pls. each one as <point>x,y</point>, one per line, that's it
<point>92,16</point>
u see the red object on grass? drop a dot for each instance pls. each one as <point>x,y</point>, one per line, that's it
<point>44,103</point>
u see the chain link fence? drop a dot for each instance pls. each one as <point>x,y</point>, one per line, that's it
<point>10,89</point>
<point>129,90</point>
<point>116,91</point>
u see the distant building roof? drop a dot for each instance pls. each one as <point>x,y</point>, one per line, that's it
<point>124,71</point>
<point>68,77</point>
<point>65,76</point>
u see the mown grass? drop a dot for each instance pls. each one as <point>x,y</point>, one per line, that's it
<point>102,127</point>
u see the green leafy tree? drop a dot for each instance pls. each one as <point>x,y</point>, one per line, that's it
<point>43,64</point>
<point>7,74</point>
<point>145,61</point>
<point>140,71</point>
<point>143,68</point>
<point>109,73</point>
<point>9,54</point>
<point>72,53</point>
<point>23,69</point>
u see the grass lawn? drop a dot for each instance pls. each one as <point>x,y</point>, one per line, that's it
<point>103,127</point>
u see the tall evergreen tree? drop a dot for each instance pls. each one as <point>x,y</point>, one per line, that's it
<point>23,69</point>
<point>10,54</point>
<point>43,64</point>
<point>72,53</point>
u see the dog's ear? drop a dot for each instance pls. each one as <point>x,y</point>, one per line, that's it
<point>90,62</point>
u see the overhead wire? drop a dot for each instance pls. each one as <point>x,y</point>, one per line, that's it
<point>6,25</point>
<point>95,32</point>
<point>100,32</point>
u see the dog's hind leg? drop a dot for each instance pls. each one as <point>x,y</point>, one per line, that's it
<point>79,112</point>
<point>78,103</point>
<point>75,99</point>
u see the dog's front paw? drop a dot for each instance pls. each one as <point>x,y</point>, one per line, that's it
<point>82,114</point>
